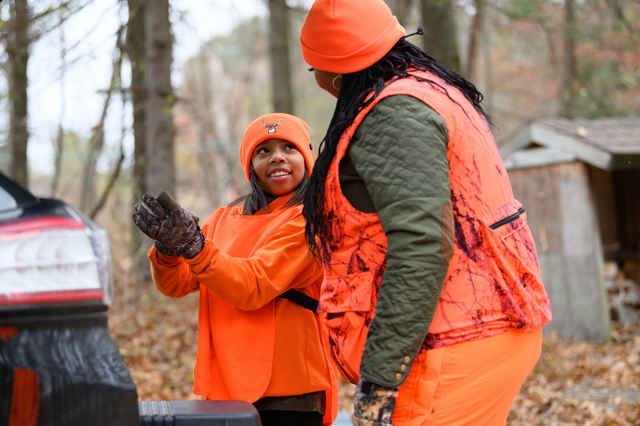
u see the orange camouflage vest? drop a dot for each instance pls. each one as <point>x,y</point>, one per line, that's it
<point>493,282</point>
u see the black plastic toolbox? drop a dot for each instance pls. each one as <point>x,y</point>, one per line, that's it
<point>198,413</point>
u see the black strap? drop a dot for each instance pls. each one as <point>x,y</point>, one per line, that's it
<point>301,299</point>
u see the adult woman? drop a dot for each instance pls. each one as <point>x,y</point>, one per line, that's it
<point>432,291</point>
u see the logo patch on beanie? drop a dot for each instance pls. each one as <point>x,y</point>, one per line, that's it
<point>271,128</point>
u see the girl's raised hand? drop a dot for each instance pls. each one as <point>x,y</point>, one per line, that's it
<point>163,220</point>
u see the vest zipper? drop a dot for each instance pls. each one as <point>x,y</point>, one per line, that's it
<point>509,219</point>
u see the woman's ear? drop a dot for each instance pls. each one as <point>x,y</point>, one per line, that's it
<point>329,81</point>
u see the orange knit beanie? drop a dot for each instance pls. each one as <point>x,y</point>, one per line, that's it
<point>276,126</point>
<point>346,36</point>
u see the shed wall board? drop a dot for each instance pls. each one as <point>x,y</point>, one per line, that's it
<point>562,218</point>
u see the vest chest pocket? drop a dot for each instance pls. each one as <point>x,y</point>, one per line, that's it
<point>510,223</point>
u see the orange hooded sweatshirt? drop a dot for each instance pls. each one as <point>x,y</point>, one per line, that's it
<point>252,344</point>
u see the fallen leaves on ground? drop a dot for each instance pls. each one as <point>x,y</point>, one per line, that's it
<point>573,383</point>
<point>157,338</point>
<point>580,383</point>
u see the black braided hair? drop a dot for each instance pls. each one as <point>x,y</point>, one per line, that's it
<point>256,200</point>
<point>399,62</point>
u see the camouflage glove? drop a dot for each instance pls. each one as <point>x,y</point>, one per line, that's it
<point>175,228</point>
<point>373,404</point>
<point>162,249</point>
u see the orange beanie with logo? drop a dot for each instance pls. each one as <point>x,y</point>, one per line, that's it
<point>346,36</point>
<point>276,126</point>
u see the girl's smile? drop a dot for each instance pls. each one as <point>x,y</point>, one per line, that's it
<point>279,166</point>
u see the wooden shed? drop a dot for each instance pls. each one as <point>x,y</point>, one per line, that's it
<point>579,181</point>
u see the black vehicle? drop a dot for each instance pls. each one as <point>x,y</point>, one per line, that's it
<point>58,363</point>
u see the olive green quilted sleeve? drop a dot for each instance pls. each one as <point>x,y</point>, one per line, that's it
<point>400,152</point>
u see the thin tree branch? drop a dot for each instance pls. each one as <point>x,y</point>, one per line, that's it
<point>8,29</point>
<point>97,139</point>
<point>110,185</point>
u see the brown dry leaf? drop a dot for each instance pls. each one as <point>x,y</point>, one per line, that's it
<point>573,383</point>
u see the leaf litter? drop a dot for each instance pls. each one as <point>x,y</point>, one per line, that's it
<point>574,382</point>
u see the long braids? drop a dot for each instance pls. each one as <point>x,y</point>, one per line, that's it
<point>399,62</point>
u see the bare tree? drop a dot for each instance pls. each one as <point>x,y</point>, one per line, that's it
<point>59,143</point>
<point>474,40</point>
<point>280,62</point>
<point>200,103</point>
<point>111,183</point>
<point>96,142</point>
<point>440,32</point>
<point>17,48</point>
<point>18,37</point>
<point>160,168</point>
<point>568,61</point>
<point>135,48</point>
<point>57,162</point>
<point>115,174</point>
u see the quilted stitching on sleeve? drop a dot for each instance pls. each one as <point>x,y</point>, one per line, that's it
<point>400,151</point>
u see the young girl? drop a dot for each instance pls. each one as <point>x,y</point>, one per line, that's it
<point>252,344</point>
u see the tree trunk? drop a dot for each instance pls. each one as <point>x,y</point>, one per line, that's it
<point>160,168</point>
<point>474,40</point>
<point>440,33</point>
<point>57,162</point>
<point>17,48</point>
<point>280,64</point>
<point>488,75</point>
<point>136,47</point>
<point>59,146</point>
<point>568,62</point>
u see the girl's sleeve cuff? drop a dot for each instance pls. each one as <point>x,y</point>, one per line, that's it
<point>203,259</point>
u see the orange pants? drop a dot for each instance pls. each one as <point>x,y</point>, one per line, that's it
<point>469,383</point>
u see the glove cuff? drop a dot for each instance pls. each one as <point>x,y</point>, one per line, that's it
<point>164,250</point>
<point>368,387</point>
<point>193,247</point>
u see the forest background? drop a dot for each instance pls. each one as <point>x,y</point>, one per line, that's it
<point>104,100</point>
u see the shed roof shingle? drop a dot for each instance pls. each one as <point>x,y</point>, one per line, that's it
<point>614,135</point>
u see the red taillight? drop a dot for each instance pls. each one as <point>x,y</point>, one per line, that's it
<point>51,260</point>
<point>50,297</point>
<point>38,223</point>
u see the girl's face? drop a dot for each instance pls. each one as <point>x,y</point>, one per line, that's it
<point>279,166</point>
<point>328,81</point>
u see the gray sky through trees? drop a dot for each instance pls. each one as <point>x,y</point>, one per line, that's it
<point>89,37</point>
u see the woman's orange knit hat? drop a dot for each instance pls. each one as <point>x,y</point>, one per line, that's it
<point>346,36</point>
<point>276,126</point>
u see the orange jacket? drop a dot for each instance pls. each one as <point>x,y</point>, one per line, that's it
<point>250,343</point>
